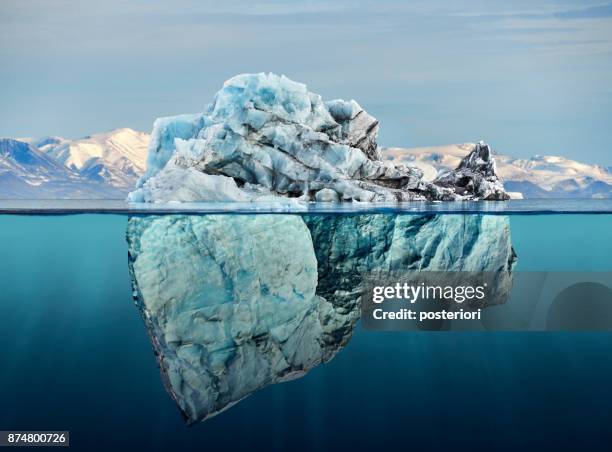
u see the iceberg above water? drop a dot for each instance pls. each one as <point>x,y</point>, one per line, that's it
<point>234,303</point>
<point>265,136</point>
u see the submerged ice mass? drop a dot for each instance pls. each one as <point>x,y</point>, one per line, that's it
<point>234,303</point>
<point>230,303</point>
<point>265,136</point>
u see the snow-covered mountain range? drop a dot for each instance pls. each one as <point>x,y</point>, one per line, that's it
<point>107,166</point>
<point>28,173</point>
<point>116,158</point>
<point>104,165</point>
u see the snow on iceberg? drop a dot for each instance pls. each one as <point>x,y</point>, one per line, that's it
<point>266,136</point>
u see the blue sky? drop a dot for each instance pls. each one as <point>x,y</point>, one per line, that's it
<point>530,77</point>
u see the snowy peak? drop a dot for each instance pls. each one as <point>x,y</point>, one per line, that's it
<point>104,165</point>
<point>554,170</point>
<point>117,157</point>
<point>45,144</point>
<point>25,160</point>
<point>115,146</point>
<point>28,173</point>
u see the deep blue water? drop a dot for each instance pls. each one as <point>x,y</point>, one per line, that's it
<point>74,355</point>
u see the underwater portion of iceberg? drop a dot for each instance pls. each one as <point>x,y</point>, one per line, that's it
<point>350,247</point>
<point>265,136</point>
<point>234,303</point>
<point>230,304</point>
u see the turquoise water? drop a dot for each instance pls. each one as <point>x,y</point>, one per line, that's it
<point>75,356</point>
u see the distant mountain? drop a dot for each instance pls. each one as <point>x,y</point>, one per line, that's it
<point>536,177</point>
<point>116,158</point>
<point>107,165</point>
<point>46,143</point>
<point>28,173</point>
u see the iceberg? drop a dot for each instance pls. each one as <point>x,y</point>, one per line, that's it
<point>265,136</point>
<point>235,303</point>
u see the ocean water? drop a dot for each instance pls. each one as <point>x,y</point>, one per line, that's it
<point>74,355</point>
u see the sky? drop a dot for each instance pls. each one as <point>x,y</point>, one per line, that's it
<point>529,77</point>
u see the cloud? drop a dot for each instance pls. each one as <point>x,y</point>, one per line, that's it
<point>535,10</point>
